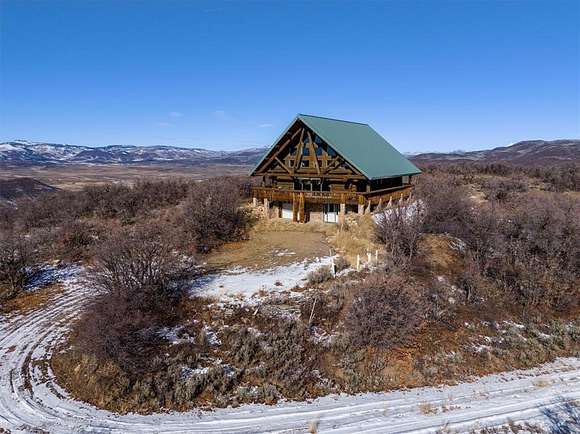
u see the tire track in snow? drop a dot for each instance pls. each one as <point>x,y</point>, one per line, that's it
<point>29,338</point>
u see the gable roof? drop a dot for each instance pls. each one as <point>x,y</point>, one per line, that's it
<point>358,144</point>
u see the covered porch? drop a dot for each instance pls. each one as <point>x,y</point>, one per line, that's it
<point>301,203</point>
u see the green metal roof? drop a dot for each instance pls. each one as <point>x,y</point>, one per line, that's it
<point>358,144</point>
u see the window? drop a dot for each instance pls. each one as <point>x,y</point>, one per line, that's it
<point>331,152</point>
<point>319,150</point>
<point>293,150</point>
<point>306,151</point>
<point>319,163</point>
<point>317,139</point>
<point>305,163</point>
<point>290,163</point>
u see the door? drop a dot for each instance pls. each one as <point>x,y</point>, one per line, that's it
<point>287,211</point>
<point>330,214</point>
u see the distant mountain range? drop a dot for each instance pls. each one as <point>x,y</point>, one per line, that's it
<point>21,152</point>
<point>529,152</point>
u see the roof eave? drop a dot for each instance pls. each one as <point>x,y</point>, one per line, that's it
<point>253,170</point>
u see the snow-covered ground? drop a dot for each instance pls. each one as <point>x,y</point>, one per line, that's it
<point>243,285</point>
<point>30,398</point>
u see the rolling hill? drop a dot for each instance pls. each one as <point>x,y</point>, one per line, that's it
<point>529,152</point>
<point>22,152</point>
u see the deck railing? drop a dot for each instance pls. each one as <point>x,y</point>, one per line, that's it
<point>346,197</point>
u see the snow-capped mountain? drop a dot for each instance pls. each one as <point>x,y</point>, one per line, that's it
<point>525,152</point>
<point>25,152</point>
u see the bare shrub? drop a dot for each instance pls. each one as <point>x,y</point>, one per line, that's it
<point>323,308</point>
<point>282,354</point>
<point>502,189</point>
<point>399,229</point>
<point>386,311</point>
<point>539,256</point>
<point>319,275</point>
<point>446,204</point>
<point>76,239</point>
<point>212,214</point>
<point>16,263</point>
<point>341,263</point>
<point>139,275</point>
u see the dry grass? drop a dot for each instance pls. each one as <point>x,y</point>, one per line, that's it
<point>28,301</point>
<point>76,177</point>
<point>356,238</point>
<point>269,248</point>
<point>541,383</point>
<point>427,409</point>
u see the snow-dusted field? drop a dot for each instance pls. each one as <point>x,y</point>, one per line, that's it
<point>243,285</point>
<point>29,397</point>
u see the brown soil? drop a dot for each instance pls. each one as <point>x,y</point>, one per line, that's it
<point>267,249</point>
<point>30,300</point>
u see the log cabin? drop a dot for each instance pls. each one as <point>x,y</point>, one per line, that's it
<point>321,169</point>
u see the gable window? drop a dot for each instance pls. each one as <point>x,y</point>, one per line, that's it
<point>317,139</point>
<point>331,152</point>
<point>293,150</point>
<point>305,163</point>
<point>319,150</point>
<point>290,163</point>
<point>306,151</point>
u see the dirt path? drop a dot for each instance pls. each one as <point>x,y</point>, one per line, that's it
<point>270,249</point>
<point>29,397</point>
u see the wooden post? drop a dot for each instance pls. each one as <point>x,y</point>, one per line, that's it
<point>294,208</point>
<point>255,202</point>
<point>301,211</point>
<point>369,258</point>
<point>267,207</point>
<point>368,210</point>
<point>357,262</point>
<point>361,209</point>
<point>342,213</point>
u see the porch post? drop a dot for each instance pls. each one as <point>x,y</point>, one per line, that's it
<point>342,213</point>
<point>267,207</point>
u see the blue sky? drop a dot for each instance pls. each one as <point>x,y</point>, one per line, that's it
<point>428,75</point>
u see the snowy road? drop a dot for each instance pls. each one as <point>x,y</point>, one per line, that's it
<point>29,397</point>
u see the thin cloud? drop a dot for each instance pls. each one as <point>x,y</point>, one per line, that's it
<point>175,114</point>
<point>164,124</point>
<point>222,115</point>
<point>265,125</point>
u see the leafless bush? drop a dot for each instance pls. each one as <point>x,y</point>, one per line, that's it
<point>139,274</point>
<point>386,311</point>
<point>341,263</point>
<point>212,214</point>
<point>282,355</point>
<point>502,189</point>
<point>399,229</point>
<point>319,275</point>
<point>76,239</point>
<point>446,204</point>
<point>16,263</point>
<point>538,257</point>
<point>323,308</point>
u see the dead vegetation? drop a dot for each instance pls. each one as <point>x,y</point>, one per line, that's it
<point>460,290</point>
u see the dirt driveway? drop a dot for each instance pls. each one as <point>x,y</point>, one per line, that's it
<point>266,249</point>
